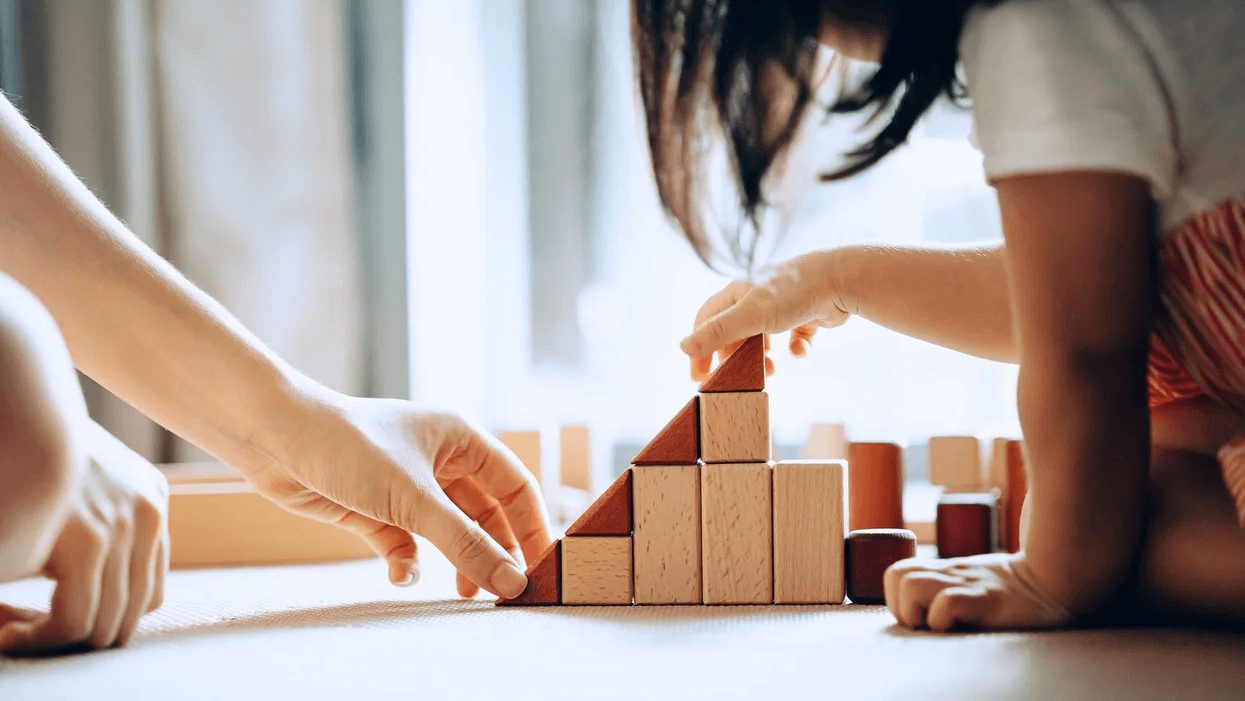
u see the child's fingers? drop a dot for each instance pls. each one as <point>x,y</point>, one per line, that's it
<point>963,606</point>
<point>801,338</point>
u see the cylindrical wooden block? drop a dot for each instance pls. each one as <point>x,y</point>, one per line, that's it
<point>966,525</point>
<point>875,486</point>
<point>867,555</point>
<point>1017,488</point>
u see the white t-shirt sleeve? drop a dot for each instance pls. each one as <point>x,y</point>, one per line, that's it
<point>1062,85</point>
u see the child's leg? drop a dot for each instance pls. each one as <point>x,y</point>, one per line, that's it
<point>40,408</point>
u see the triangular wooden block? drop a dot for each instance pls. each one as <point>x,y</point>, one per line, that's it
<point>742,371</point>
<point>678,443</point>
<point>610,514</point>
<point>544,581</point>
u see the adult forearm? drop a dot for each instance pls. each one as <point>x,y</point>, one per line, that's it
<point>953,298</point>
<point>1087,436</point>
<point>130,320</point>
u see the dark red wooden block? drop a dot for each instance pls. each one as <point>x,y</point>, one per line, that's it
<point>742,371</point>
<point>966,524</point>
<point>866,556</point>
<point>610,514</point>
<point>678,443</point>
<point>544,581</point>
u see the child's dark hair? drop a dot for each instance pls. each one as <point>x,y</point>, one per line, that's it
<point>754,62</point>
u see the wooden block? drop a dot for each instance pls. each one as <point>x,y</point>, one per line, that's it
<point>742,371</point>
<point>875,486</point>
<point>667,534</point>
<point>610,514</point>
<point>1017,488</point>
<point>925,531</point>
<point>826,442</point>
<point>526,446</point>
<point>966,524</point>
<point>596,570</point>
<point>575,448</point>
<point>544,581</point>
<point>678,443</point>
<point>734,427</point>
<point>736,533</point>
<point>955,462</point>
<point>808,532</point>
<point>868,553</point>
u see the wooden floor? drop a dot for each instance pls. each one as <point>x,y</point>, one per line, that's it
<point>342,632</point>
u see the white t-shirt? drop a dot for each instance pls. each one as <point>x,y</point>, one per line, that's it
<point>1150,87</point>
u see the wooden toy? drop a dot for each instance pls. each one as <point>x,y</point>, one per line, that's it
<point>667,554</point>
<point>808,532</point>
<point>966,524</point>
<point>610,514</point>
<point>526,446</point>
<point>742,371</point>
<point>925,531</point>
<point>544,580</point>
<point>678,442</point>
<point>736,533</point>
<point>734,427</point>
<point>596,570</point>
<point>996,472</point>
<point>868,553</point>
<point>955,462</point>
<point>1017,488</point>
<point>875,486</point>
<point>826,442</point>
<point>575,448</point>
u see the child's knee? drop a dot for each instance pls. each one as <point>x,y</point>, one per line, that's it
<point>41,411</point>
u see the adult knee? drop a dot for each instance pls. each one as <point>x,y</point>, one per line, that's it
<point>41,411</point>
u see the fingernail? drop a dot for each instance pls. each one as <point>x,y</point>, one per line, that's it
<point>507,580</point>
<point>404,576</point>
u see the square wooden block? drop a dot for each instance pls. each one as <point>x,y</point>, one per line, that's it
<point>808,532</point>
<point>734,427</point>
<point>955,462</point>
<point>596,570</point>
<point>737,545</point>
<point>667,534</point>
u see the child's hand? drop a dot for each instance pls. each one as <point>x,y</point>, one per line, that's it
<point>994,591</point>
<point>799,295</point>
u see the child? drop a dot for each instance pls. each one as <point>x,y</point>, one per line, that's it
<point>1111,132</point>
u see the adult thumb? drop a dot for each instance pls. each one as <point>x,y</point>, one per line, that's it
<point>472,552</point>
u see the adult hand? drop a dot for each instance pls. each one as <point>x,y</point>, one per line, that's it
<point>385,469</point>
<point>110,559</point>
<point>800,295</point>
<point>982,592</point>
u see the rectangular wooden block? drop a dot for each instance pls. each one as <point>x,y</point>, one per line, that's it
<point>826,442</point>
<point>667,534</point>
<point>575,447</point>
<point>734,427</point>
<point>955,462</point>
<point>596,570</point>
<point>808,532</point>
<point>736,533</point>
<point>526,446</point>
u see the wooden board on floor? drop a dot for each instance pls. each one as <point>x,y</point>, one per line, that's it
<point>737,524</point>
<point>667,534</point>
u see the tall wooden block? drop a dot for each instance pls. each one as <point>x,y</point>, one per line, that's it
<point>678,442</point>
<point>575,448</point>
<point>526,446</point>
<point>667,534</point>
<point>826,442</point>
<point>610,514</point>
<point>808,532</point>
<point>737,533</point>
<point>596,570</point>
<point>1017,488</point>
<point>875,486</point>
<point>955,462</point>
<point>869,553</point>
<point>734,427</point>
<point>742,371</point>
<point>966,524</point>
<point>544,581</point>
<point>996,471</point>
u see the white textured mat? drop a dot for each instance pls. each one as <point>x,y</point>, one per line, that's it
<point>341,632</point>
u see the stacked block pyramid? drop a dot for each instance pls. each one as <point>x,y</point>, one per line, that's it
<point>703,517</point>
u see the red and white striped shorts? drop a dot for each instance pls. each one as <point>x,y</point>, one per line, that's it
<point>1198,343</point>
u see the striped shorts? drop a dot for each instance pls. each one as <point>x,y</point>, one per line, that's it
<point>1197,346</point>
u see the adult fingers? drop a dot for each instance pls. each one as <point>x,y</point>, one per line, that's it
<point>395,545</point>
<point>114,587</point>
<point>143,562</point>
<point>75,601</point>
<point>161,570</point>
<point>964,606</point>
<point>468,547</point>
<point>487,512</point>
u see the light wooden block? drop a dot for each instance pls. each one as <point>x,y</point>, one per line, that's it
<point>575,447</point>
<point>596,570</point>
<point>526,446</point>
<point>734,427</point>
<point>996,471</point>
<point>826,442</point>
<point>667,534</point>
<point>808,532</point>
<point>925,531</point>
<point>736,533</point>
<point>955,462</point>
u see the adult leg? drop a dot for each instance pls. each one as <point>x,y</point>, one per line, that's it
<point>41,412</point>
